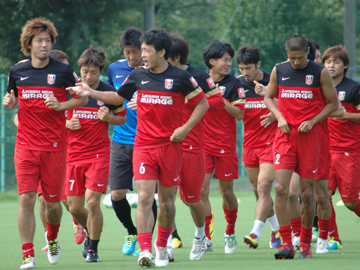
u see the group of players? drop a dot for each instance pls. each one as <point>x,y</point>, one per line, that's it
<point>174,126</point>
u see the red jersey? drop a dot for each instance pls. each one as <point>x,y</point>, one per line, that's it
<point>160,102</point>
<point>41,128</point>
<point>91,142</point>
<point>300,94</point>
<point>345,134</point>
<point>220,126</point>
<point>255,135</point>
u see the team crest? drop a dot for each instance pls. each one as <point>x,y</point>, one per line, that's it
<point>100,103</point>
<point>210,83</point>
<point>309,79</point>
<point>222,90</point>
<point>169,84</point>
<point>194,82</point>
<point>51,79</point>
<point>342,95</point>
<point>241,92</point>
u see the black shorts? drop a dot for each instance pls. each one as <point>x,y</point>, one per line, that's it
<point>121,167</point>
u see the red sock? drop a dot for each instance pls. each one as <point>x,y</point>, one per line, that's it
<point>163,235</point>
<point>75,223</point>
<point>145,240</point>
<point>296,226</point>
<point>52,231</point>
<point>333,230</point>
<point>28,250</point>
<point>305,236</point>
<point>356,209</point>
<point>324,226</point>
<point>285,232</point>
<point>230,216</point>
<point>207,229</point>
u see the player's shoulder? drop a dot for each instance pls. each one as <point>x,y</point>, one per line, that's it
<point>21,64</point>
<point>105,87</point>
<point>350,83</point>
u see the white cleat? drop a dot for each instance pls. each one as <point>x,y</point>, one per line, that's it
<point>54,252</point>
<point>209,247</point>
<point>230,243</point>
<point>28,263</point>
<point>171,253</point>
<point>162,256</point>
<point>198,249</point>
<point>146,259</point>
<point>322,246</point>
<point>296,243</point>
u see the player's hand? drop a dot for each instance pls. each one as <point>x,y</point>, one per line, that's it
<point>283,125</point>
<point>306,126</point>
<point>267,119</point>
<point>259,89</point>
<point>179,134</point>
<point>52,103</point>
<point>104,114</point>
<point>73,123</point>
<point>132,103</point>
<point>81,89</point>
<point>9,100</point>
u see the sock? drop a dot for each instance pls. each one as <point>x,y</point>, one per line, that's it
<point>154,209</point>
<point>163,235</point>
<point>305,236</point>
<point>176,235</point>
<point>274,223</point>
<point>93,245</point>
<point>200,232</point>
<point>315,223</point>
<point>230,216</point>
<point>285,232</point>
<point>145,240</point>
<point>52,231</point>
<point>207,229</point>
<point>74,221</point>
<point>296,226</point>
<point>123,212</point>
<point>169,241</point>
<point>28,249</point>
<point>257,229</point>
<point>324,228</point>
<point>333,230</point>
<point>356,209</point>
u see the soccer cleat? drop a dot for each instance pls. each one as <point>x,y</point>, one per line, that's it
<point>275,240</point>
<point>285,251</point>
<point>176,243</point>
<point>230,243</point>
<point>85,249</point>
<point>129,246</point>
<point>251,240</point>
<point>171,253</point>
<point>198,248</point>
<point>44,249</point>
<point>92,257</point>
<point>296,242</point>
<point>28,263</point>
<point>335,245</point>
<point>79,233</point>
<point>54,252</point>
<point>211,225</point>
<point>209,247</point>
<point>315,234</point>
<point>305,251</point>
<point>146,259</point>
<point>162,256</point>
<point>322,246</point>
<point>137,252</point>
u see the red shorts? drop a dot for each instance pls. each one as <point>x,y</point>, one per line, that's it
<point>162,163</point>
<point>93,176</point>
<point>33,165</point>
<point>324,161</point>
<point>298,151</point>
<point>344,174</point>
<point>226,168</point>
<point>254,157</point>
<point>192,176</point>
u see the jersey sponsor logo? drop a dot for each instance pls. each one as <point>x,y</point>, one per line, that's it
<point>309,79</point>
<point>342,95</point>
<point>23,78</point>
<point>210,82</point>
<point>255,105</point>
<point>36,94</point>
<point>51,79</point>
<point>194,82</point>
<point>169,83</point>
<point>241,92</point>
<point>100,103</point>
<point>76,77</point>
<point>284,79</point>
<point>222,90</point>
<point>156,99</point>
<point>297,94</point>
<point>144,82</point>
<point>83,114</point>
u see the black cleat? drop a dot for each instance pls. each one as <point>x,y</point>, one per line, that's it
<point>285,251</point>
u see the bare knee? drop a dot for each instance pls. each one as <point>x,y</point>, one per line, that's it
<point>350,205</point>
<point>119,194</point>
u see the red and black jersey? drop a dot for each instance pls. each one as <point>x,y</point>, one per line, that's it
<point>254,134</point>
<point>345,134</point>
<point>160,102</point>
<point>194,140</point>
<point>220,126</point>
<point>300,94</point>
<point>41,128</point>
<point>91,142</point>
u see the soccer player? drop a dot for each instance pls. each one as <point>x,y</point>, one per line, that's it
<point>317,58</point>
<point>39,86</point>
<point>88,153</point>
<point>220,138</point>
<point>122,145</point>
<point>157,152</point>
<point>302,87</point>
<point>257,145</point>
<point>344,138</point>
<point>193,166</point>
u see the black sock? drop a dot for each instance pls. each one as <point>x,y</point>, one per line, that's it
<point>175,235</point>
<point>154,209</point>
<point>93,245</point>
<point>123,212</point>
<point>315,224</point>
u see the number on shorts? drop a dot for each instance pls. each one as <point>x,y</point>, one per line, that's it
<point>142,168</point>
<point>72,184</point>
<point>277,156</point>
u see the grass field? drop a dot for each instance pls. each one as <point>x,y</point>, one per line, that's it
<point>113,234</point>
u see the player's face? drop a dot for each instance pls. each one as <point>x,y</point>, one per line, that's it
<point>298,59</point>
<point>133,55</point>
<point>41,46</point>
<point>222,65</point>
<point>90,75</point>
<point>317,59</point>
<point>150,56</point>
<point>249,71</point>
<point>335,66</point>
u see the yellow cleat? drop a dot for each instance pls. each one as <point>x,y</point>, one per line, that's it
<point>211,225</point>
<point>176,243</point>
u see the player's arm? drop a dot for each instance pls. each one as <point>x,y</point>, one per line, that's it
<point>215,100</point>
<point>234,111</point>
<point>53,103</point>
<point>16,120</point>
<point>259,89</point>
<point>118,117</point>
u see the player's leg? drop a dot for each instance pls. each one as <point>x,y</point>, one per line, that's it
<point>42,213</point>
<point>209,168</point>
<point>295,213</point>
<point>253,173</point>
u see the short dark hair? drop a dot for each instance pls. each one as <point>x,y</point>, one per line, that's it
<point>337,52</point>
<point>131,37</point>
<point>180,47</point>
<point>159,38</point>
<point>296,43</point>
<point>216,50</point>
<point>312,51</point>
<point>248,54</point>
<point>59,55</point>
<point>317,46</point>
<point>93,56</point>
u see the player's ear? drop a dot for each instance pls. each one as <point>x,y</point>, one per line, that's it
<point>258,65</point>
<point>162,52</point>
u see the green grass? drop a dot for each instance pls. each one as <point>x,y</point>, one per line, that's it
<point>113,234</point>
